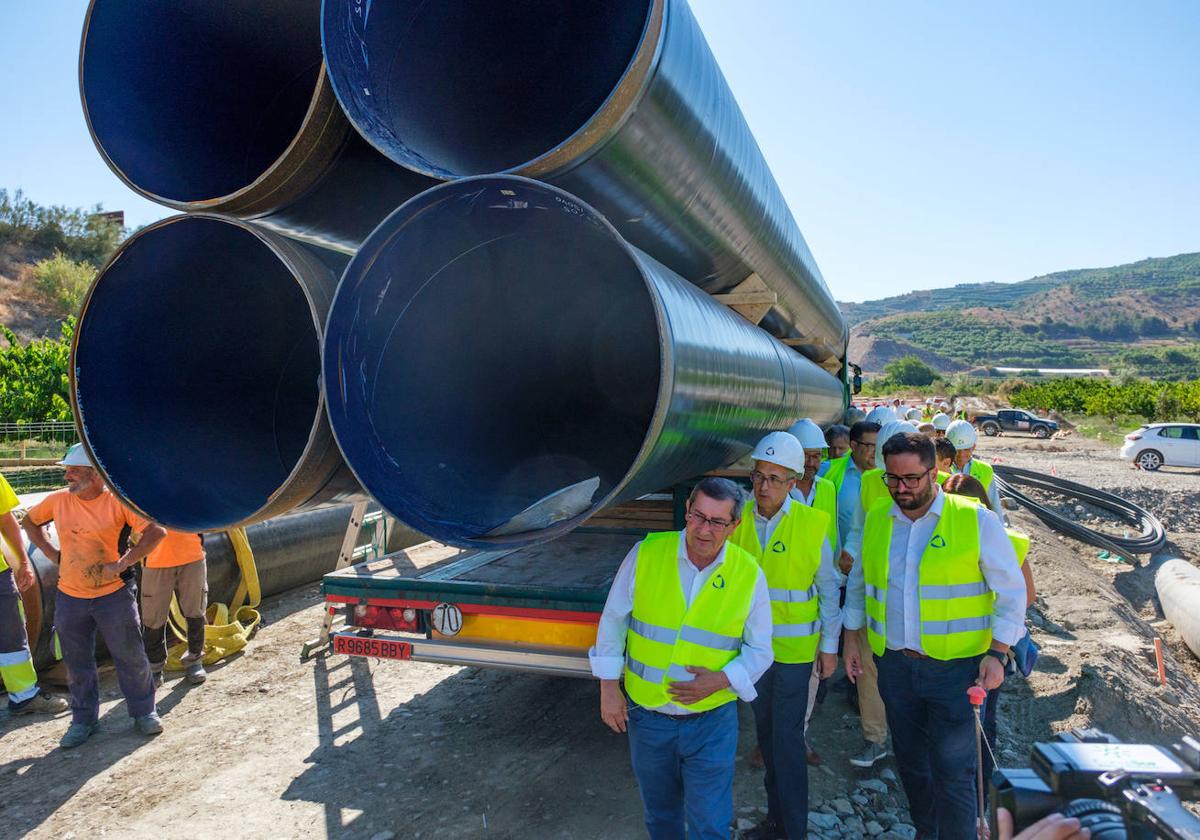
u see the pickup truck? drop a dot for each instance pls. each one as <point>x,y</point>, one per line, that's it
<point>532,609</point>
<point>1014,420</point>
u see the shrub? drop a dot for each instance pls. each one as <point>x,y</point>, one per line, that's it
<point>33,377</point>
<point>62,282</point>
<point>909,370</point>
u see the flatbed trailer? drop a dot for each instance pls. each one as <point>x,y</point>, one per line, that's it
<point>533,609</point>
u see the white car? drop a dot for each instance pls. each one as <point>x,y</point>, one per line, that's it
<point>1163,445</point>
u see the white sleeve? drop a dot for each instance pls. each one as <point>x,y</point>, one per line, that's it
<point>855,610</point>
<point>829,586</point>
<point>998,562</point>
<point>607,656</point>
<point>756,654</point>
<point>994,497</point>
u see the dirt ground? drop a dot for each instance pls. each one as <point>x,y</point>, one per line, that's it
<point>341,747</point>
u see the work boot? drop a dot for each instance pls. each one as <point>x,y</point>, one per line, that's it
<point>77,733</point>
<point>193,668</point>
<point>765,830</point>
<point>40,704</point>
<point>149,724</point>
<point>870,756</point>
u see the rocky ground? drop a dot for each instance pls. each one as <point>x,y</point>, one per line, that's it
<point>343,747</point>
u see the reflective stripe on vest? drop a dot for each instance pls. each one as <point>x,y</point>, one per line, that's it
<point>790,563</point>
<point>837,471</point>
<point>955,603</point>
<point>666,636</point>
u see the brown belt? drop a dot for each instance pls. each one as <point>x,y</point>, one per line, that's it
<point>913,654</point>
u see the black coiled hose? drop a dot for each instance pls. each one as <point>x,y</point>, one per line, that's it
<point>1152,537</point>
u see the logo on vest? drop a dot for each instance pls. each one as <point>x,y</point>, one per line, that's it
<point>937,542</point>
<point>778,547</point>
<point>718,582</point>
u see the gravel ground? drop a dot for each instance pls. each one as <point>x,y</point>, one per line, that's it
<point>344,747</point>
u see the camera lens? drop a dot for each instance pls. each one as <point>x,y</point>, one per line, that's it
<point>1103,818</point>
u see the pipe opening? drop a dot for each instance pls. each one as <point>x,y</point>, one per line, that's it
<point>493,343</point>
<point>197,373</point>
<point>466,87</point>
<point>193,100</point>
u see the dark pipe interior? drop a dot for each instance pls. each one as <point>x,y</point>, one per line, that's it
<point>466,87</point>
<point>492,344</point>
<point>195,99</point>
<point>197,371</point>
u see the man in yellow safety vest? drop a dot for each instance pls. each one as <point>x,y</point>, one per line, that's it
<point>16,662</point>
<point>791,541</point>
<point>940,593</point>
<point>687,624</point>
<point>963,435</point>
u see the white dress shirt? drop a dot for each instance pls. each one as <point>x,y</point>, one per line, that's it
<point>828,580</point>
<point>997,562</point>
<point>607,657</point>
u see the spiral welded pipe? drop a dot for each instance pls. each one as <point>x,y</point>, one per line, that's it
<point>195,372</point>
<point>225,107</point>
<point>620,103</point>
<point>499,364</point>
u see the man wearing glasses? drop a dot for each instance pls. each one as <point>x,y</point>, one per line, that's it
<point>941,595</point>
<point>791,542</point>
<point>687,624</point>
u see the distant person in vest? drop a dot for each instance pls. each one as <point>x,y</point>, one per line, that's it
<point>16,576</point>
<point>963,435</point>
<point>791,542</point>
<point>688,623</point>
<point>942,597</point>
<point>175,568</point>
<point>91,595</point>
<point>815,492</point>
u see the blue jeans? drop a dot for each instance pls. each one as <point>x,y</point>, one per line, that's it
<point>779,712</point>
<point>933,735</point>
<point>116,617</point>
<point>684,770</point>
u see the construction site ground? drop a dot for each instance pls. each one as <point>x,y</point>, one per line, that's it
<point>340,747</point>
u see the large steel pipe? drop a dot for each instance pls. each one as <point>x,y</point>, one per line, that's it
<point>621,103</point>
<point>500,364</point>
<point>195,374</point>
<point>225,107</point>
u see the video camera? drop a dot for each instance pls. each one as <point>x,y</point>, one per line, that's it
<point>1117,790</point>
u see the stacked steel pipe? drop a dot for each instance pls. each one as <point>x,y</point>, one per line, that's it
<point>506,352</point>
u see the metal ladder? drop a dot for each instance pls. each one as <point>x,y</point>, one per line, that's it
<point>350,553</point>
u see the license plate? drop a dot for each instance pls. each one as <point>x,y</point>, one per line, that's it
<point>374,648</point>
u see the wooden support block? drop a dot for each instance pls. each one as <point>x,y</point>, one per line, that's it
<point>751,299</point>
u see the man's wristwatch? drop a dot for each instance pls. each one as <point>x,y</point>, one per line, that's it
<point>1002,656</point>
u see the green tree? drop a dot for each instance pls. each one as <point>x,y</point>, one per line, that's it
<point>33,377</point>
<point>909,370</point>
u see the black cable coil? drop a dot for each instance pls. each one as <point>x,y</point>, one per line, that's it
<point>1152,537</point>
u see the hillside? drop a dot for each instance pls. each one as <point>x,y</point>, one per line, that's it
<point>22,310</point>
<point>1144,316</point>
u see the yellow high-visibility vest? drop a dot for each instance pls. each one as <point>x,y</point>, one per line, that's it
<point>825,500</point>
<point>837,471</point>
<point>666,636</point>
<point>983,472</point>
<point>956,605</point>
<point>873,489</point>
<point>789,563</point>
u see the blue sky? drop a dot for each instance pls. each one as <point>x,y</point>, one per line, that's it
<point>919,144</point>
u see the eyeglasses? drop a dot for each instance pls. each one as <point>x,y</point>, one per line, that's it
<point>771,480</point>
<point>702,521</point>
<point>892,480</point>
<point>865,444</point>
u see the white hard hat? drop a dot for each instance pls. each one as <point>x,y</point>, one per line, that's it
<point>940,421</point>
<point>882,415</point>
<point>783,449</point>
<point>890,430</point>
<point>808,433</point>
<point>961,434</point>
<point>76,457</point>
<point>913,414</point>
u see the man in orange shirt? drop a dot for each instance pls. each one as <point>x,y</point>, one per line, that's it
<point>176,567</point>
<point>91,595</point>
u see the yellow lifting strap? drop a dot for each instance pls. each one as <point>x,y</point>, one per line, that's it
<point>229,626</point>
